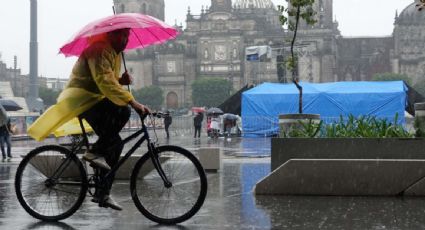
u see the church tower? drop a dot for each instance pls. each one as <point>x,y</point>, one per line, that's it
<point>317,56</point>
<point>155,8</point>
<point>324,13</point>
<point>221,5</point>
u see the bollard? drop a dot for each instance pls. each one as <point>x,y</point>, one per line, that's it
<point>210,159</point>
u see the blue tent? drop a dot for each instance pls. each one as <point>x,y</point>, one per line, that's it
<point>262,105</point>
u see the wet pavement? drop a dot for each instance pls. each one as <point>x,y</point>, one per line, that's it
<point>230,203</point>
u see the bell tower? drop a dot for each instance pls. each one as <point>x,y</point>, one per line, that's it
<point>324,13</point>
<point>221,5</point>
<point>155,8</point>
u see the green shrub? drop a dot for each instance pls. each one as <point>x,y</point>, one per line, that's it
<point>360,127</point>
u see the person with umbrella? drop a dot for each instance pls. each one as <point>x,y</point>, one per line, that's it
<point>4,134</point>
<point>94,91</point>
<point>197,123</point>
<point>97,72</point>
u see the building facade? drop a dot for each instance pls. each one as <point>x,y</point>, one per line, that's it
<point>213,45</point>
<point>408,56</point>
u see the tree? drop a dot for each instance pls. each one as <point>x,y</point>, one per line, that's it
<point>391,77</point>
<point>290,16</point>
<point>48,96</point>
<point>210,92</point>
<point>152,96</point>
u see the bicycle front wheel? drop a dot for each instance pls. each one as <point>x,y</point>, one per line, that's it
<point>173,203</point>
<point>51,183</point>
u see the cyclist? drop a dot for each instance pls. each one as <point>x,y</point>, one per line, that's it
<point>95,92</point>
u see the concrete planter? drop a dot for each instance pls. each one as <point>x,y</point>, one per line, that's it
<point>283,149</point>
<point>345,167</point>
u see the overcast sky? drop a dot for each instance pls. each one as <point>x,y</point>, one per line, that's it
<point>58,20</point>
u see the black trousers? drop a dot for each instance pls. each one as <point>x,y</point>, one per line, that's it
<point>107,119</point>
<point>166,131</point>
<point>197,130</point>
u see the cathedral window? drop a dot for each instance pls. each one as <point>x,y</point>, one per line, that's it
<point>206,55</point>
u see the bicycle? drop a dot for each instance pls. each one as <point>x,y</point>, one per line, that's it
<point>52,182</point>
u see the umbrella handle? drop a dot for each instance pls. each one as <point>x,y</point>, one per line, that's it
<point>122,54</point>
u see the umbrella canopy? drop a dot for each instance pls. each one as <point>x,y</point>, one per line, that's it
<point>198,109</point>
<point>10,105</point>
<point>229,116</point>
<point>144,31</point>
<point>214,111</point>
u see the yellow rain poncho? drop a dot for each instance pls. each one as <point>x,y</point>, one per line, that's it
<point>95,76</point>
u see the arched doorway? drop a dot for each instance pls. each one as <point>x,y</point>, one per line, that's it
<point>172,100</point>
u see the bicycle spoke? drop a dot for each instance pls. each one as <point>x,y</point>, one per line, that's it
<point>182,199</point>
<point>50,184</point>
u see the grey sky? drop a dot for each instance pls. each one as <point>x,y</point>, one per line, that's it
<point>58,20</point>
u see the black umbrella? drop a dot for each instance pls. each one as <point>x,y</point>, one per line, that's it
<point>214,111</point>
<point>229,116</point>
<point>10,105</point>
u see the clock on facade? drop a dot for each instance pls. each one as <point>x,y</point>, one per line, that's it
<point>220,52</point>
<point>171,66</point>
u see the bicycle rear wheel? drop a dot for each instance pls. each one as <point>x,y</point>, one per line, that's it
<point>51,183</point>
<point>169,205</point>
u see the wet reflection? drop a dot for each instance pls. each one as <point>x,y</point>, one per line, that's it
<point>5,188</point>
<point>50,226</point>
<point>320,212</point>
<point>255,146</point>
<point>250,174</point>
<point>175,227</point>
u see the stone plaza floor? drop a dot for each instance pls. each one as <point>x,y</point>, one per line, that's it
<point>230,203</point>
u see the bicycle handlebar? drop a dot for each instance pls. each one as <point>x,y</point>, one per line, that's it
<point>155,114</point>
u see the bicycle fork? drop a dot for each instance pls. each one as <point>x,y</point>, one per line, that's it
<point>157,164</point>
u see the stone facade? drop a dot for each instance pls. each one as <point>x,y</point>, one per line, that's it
<point>409,44</point>
<point>214,41</point>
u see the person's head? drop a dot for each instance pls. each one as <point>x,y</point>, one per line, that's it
<point>118,39</point>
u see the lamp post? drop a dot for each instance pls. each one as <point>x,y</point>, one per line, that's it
<point>33,89</point>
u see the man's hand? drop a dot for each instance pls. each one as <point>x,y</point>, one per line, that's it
<point>140,108</point>
<point>125,79</point>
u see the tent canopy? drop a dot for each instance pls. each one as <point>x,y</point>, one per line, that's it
<point>262,105</point>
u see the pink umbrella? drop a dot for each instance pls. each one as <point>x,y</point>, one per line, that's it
<point>144,31</point>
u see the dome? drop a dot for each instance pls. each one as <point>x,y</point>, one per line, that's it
<point>253,4</point>
<point>411,15</point>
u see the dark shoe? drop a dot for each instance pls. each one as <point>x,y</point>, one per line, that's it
<point>97,160</point>
<point>108,202</point>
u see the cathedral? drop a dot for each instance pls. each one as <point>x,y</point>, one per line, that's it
<point>214,40</point>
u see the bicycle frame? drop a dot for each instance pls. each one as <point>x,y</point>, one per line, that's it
<point>151,150</point>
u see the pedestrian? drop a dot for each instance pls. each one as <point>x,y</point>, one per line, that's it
<point>215,126</point>
<point>95,93</point>
<point>197,122</point>
<point>5,129</point>
<point>167,122</point>
<point>228,125</point>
